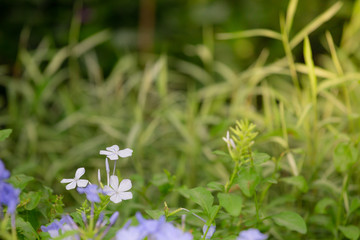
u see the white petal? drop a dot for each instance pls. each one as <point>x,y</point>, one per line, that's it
<point>124,185</point>
<point>125,195</point>
<point>113,148</point>
<point>82,183</point>
<point>107,165</point>
<point>66,180</point>
<point>114,182</point>
<point>127,152</point>
<point>113,156</point>
<point>99,176</point>
<point>79,172</point>
<point>103,152</point>
<point>108,190</point>
<point>71,185</point>
<point>116,198</point>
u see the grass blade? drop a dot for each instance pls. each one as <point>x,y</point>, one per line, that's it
<point>313,25</point>
<point>249,33</point>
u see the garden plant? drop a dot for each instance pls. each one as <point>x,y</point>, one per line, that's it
<point>162,147</point>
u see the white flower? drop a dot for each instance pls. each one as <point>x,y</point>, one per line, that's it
<point>76,181</point>
<point>118,192</point>
<point>113,152</point>
<point>229,141</point>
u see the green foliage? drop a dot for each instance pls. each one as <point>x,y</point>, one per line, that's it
<point>203,197</point>
<point>350,232</point>
<point>248,179</point>
<point>5,133</point>
<point>291,221</point>
<point>231,202</point>
<point>297,181</point>
<point>345,155</point>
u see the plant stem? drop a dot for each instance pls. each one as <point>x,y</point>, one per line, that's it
<point>340,202</point>
<point>228,185</point>
<point>13,227</point>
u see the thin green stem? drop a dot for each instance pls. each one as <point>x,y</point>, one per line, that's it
<point>228,185</point>
<point>256,208</point>
<point>340,202</point>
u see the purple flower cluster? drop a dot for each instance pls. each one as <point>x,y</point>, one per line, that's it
<point>9,196</point>
<point>57,228</point>
<point>252,234</point>
<point>66,224</point>
<point>152,229</point>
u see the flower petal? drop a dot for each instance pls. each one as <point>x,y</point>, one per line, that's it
<point>79,172</point>
<point>66,180</point>
<point>108,190</point>
<point>82,182</point>
<point>116,198</point>
<point>103,152</point>
<point>113,156</point>
<point>113,148</point>
<point>127,152</point>
<point>125,185</point>
<point>125,195</point>
<point>71,185</point>
<point>114,182</point>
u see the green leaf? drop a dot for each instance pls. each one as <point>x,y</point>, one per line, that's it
<point>297,181</point>
<point>247,180</point>
<point>350,232</point>
<point>202,197</point>
<point>31,199</point>
<point>162,182</point>
<point>25,229</point>
<point>260,158</point>
<point>231,202</point>
<point>271,180</point>
<point>221,153</point>
<point>355,204</point>
<point>323,204</point>
<point>20,181</point>
<point>155,214</point>
<point>77,218</point>
<point>291,221</point>
<point>345,155</point>
<point>212,213</point>
<point>5,133</point>
<point>216,186</point>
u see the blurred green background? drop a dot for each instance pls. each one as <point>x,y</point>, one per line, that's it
<point>156,26</point>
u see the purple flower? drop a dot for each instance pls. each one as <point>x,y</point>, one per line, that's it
<point>57,228</point>
<point>168,232</point>
<point>251,234</point>
<point>153,229</point>
<point>53,228</point>
<point>130,233</point>
<point>9,196</point>
<point>92,192</point>
<point>210,232</point>
<point>4,173</point>
<point>149,227</point>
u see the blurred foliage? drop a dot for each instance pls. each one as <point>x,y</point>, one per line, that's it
<point>76,86</point>
<point>178,23</point>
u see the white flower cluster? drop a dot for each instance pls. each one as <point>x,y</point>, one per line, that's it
<point>117,191</point>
